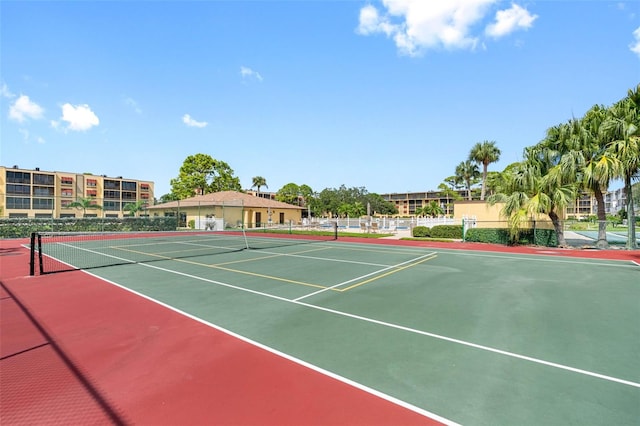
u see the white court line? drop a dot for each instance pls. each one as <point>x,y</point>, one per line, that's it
<point>286,356</point>
<point>544,258</point>
<point>408,329</point>
<point>364,276</point>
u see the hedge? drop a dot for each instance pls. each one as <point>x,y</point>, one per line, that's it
<point>539,237</point>
<point>453,232</point>
<point>23,227</point>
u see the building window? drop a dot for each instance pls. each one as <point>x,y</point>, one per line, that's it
<point>111,184</point>
<point>128,186</point>
<point>66,180</point>
<point>114,195</point>
<point>67,215</point>
<point>144,187</point>
<point>92,183</point>
<point>18,203</point>
<point>18,177</point>
<point>67,192</point>
<point>41,179</point>
<point>43,203</point>
<point>43,191</point>
<point>43,216</point>
<point>128,196</point>
<point>18,189</point>
<point>19,215</point>
<point>144,196</point>
<point>111,215</point>
<point>65,204</point>
<point>112,205</point>
<point>92,192</point>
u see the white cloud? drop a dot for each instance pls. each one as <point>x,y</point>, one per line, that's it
<point>186,119</point>
<point>5,92</point>
<point>25,134</point>
<point>79,117</point>
<point>510,20</point>
<point>247,72</point>
<point>23,108</point>
<point>419,25</point>
<point>635,46</point>
<point>130,102</point>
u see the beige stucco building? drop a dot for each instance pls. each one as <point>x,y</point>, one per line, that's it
<point>488,216</point>
<point>228,209</point>
<point>36,193</point>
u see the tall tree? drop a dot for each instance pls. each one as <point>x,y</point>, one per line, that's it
<point>258,182</point>
<point>596,166</point>
<point>536,186</point>
<point>468,172</point>
<point>290,194</point>
<point>450,194</point>
<point>484,153</point>
<point>622,127</point>
<point>201,174</point>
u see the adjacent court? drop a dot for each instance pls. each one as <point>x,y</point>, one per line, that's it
<point>459,336</point>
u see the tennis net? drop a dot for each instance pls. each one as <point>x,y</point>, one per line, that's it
<point>53,252</point>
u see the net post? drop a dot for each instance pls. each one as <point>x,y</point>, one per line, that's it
<point>32,255</point>
<point>335,230</point>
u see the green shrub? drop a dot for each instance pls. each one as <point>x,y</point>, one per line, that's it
<point>539,237</point>
<point>192,224</point>
<point>488,235</point>
<point>420,232</point>
<point>453,232</point>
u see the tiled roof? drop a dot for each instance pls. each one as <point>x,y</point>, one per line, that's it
<point>226,198</point>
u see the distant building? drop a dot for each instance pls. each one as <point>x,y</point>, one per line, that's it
<point>45,194</point>
<point>408,203</point>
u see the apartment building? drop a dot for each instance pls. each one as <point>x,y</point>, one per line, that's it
<point>45,194</point>
<point>408,203</point>
<point>586,205</point>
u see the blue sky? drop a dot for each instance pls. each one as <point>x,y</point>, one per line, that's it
<point>387,95</point>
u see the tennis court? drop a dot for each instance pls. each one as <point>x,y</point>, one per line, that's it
<point>466,337</point>
<point>613,237</point>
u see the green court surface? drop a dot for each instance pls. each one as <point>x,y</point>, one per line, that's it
<point>478,338</point>
<point>613,237</point>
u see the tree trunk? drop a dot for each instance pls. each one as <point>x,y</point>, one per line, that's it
<point>602,219</point>
<point>484,180</point>
<point>631,217</point>
<point>557,226</point>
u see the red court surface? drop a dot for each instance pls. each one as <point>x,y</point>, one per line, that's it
<point>75,349</point>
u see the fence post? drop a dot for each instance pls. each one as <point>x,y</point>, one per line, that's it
<point>464,228</point>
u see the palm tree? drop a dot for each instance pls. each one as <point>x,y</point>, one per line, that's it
<point>134,208</point>
<point>468,172</point>
<point>432,209</point>
<point>535,186</point>
<point>484,153</point>
<point>85,204</point>
<point>450,193</point>
<point>622,128</point>
<point>258,182</point>
<point>598,166</point>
